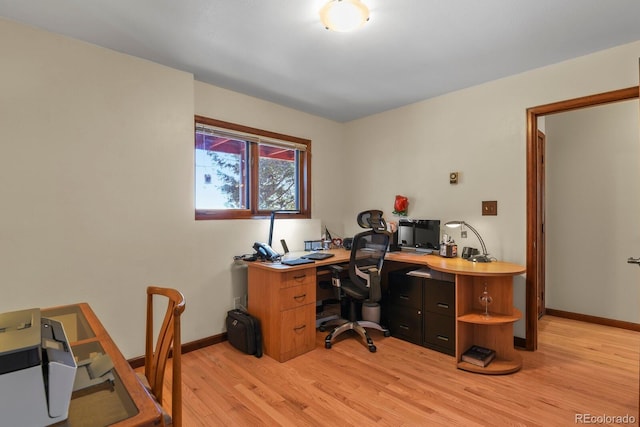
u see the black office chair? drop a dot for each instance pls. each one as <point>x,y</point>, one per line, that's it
<point>367,255</point>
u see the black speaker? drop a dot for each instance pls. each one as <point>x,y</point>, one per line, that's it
<point>468,252</point>
<point>347,242</point>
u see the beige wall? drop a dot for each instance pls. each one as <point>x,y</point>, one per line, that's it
<point>480,132</point>
<point>96,173</point>
<point>93,150</point>
<point>593,207</point>
<point>96,183</point>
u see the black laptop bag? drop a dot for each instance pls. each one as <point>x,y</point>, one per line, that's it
<point>243,332</point>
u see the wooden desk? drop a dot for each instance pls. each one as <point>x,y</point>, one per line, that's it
<point>128,403</point>
<point>283,298</point>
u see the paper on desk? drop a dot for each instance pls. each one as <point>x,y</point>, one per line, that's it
<point>421,272</point>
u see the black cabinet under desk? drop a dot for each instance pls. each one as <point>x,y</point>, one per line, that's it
<point>405,311</point>
<point>420,308</point>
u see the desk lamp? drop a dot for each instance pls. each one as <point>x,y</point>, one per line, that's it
<point>272,220</point>
<point>475,258</point>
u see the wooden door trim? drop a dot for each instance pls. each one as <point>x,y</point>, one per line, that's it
<point>533,196</point>
<point>541,249</point>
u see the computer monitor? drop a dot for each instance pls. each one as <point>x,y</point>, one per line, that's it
<point>427,234</point>
<point>419,233</point>
<point>405,233</point>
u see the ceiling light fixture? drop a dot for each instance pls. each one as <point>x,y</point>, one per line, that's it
<point>344,15</point>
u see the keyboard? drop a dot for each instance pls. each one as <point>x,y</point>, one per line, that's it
<point>317,256</point>
<point>297,261</point>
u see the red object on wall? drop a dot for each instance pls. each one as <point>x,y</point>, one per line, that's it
<point>401,205</point>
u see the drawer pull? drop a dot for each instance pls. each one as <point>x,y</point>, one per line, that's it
<point>405,327</point>
<point>442,305</point>
<point>442,338</point>
<point>299,328</point>
<point>301,277</point>
<point>406,297</point>
<point>299,297</point>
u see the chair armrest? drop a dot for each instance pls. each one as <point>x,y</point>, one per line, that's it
<point>375,289</point>
<point>336,269</point>
<point>336,272</point>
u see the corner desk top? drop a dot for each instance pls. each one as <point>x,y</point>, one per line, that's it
<point>435,262</point>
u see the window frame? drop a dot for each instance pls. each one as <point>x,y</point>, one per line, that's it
<point>304,173</point>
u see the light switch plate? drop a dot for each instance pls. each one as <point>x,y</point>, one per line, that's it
<point>490,207</point>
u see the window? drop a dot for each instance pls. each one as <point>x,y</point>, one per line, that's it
<point>243,172</point>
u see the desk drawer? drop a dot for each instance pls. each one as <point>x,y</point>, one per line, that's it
<point>297,296</point>
<point>405,290</point>
<point>298,277</point>
<point>297,332</point>
<point>405,323</point>
<point>439,332</point>
<point>439,297</point>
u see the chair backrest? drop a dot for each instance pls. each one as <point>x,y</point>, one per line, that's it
<point>367,253</point>
<point>155,360</point>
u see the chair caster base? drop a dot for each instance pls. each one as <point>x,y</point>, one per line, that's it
<point>358,328</point>
<point>327,341</point>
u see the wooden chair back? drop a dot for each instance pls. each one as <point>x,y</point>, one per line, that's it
<point>168,341</point>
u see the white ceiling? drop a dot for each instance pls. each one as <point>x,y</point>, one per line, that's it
<point>277,50</point>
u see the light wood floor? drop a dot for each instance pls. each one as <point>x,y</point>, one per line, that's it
<point>580,368</point>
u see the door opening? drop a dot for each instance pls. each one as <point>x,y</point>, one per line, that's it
<point>535,200</point>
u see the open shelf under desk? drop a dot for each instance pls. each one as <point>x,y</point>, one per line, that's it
<point>478,317</point>
<point>497,336</point>
<point>498,366</point>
